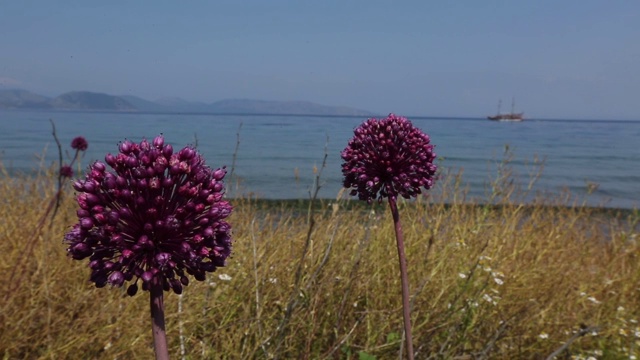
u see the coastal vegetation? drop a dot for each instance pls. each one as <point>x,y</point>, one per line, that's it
<point>316,279</point>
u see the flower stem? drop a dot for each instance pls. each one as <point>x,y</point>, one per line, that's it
<point>157,319</point>
<point>406,311</point>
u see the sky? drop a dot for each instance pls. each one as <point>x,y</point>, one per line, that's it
<point>575,59</point>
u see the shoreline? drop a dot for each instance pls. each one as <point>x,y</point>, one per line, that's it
<point>324,203</point>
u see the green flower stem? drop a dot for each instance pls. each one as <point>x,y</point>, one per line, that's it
<point>406,311</point>
<point>157,319</point>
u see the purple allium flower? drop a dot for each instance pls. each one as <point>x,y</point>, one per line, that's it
<point>66,171</point>
<point>79,143</point>
<point>157,214</point>
<point>388,157</point>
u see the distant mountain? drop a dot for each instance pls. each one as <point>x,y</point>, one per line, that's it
<point>145,105</point>
<point>181,105</point>
<point>85,100</point>
<point>22,99</point>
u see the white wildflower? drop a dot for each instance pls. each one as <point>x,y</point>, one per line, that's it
<point>620,308</point>
<point>273,280</point>
<point>498,281</point>
<point>583,294</point>
<point>489,299</point>
<point>593,300</point>
<point>543,336</point>
<point>462,275</point>
<point>224,277</point>
<point>487,269</point>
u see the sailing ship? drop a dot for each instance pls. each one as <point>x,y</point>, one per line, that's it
<point>512,116</point>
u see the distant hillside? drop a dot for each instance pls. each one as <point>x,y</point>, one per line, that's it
<point>22,99</point>
<point>145,105</point>
<point>181,105</point>
<point>85,100</point>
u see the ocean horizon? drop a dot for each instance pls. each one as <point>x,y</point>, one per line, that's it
<point>593,160</point>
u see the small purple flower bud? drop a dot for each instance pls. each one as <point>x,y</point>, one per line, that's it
<point>90,187</point>
<point>126,147</point>
<point>186,154</point>
<point>66,171</point>
<point>219,173</point>
<point>99,166</point>
<point>86,223</point>
<point>79,143</point>
<point>147,276</point>
<point>176,286</point>
<point>80,251</point>
<point>116,278</point>
<point>132,162</point>
<point>167,150</point>
<point>110,160</point>
<point>127,254</point>
<point>82,213</point>
<point>77,185</point>
<point>132,289</point>
<point>158,142</point>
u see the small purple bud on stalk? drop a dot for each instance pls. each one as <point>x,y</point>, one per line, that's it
<point>79,143</point>
<point>66,171</point>
<point>384,159</point>
<point>142,222</point>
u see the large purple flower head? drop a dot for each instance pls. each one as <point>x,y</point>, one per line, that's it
<point>387,158</point>
<point>157,214</point>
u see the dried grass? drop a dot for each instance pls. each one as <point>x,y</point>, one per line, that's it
<point>499,281</point>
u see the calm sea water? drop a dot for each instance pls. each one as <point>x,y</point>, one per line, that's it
<point>277,154</point>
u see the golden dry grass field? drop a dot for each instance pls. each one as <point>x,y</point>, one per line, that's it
<point>320,280</point>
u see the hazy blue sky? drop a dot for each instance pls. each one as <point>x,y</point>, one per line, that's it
<point>559,59</point>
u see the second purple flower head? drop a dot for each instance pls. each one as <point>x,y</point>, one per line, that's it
<point>387,158</point>
<point>158,213</point>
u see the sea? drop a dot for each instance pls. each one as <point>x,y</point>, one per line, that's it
<point>589,162</point>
